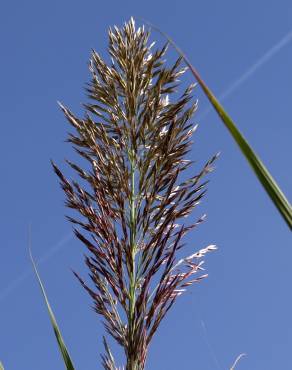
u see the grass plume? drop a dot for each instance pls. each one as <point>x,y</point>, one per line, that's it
<point>134,136</point>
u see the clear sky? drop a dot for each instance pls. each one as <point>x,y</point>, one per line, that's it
<point>245,305</point>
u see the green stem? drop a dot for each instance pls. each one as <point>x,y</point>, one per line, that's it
<point>131,360</point>
<point>132,239</point>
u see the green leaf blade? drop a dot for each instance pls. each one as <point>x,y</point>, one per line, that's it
<point>262,173</point>
<point>64,352</point>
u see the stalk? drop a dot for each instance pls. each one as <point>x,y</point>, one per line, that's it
<point>131,355</point>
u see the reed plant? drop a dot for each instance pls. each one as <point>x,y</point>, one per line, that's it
<point>133,196</point>
<point>133,193</point>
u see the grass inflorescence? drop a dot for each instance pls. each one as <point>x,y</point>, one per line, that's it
<point>135,135</point>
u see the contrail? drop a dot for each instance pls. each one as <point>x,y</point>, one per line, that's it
<point>14,284</point>
<point>233,87</point>
<point>251,70</point>
<point>210,347</point>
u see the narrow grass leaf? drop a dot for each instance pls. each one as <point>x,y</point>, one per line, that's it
<point>1,366</point>
<point>66,357</point>
<point>262,173</point>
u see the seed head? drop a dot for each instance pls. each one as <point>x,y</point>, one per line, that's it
<point>134,136</point>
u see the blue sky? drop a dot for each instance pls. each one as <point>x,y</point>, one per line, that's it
<point>245,305</point>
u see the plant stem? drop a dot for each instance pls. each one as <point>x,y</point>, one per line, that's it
<point>132,363</point>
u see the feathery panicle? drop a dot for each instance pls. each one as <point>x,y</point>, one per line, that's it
<point>135,136</point>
